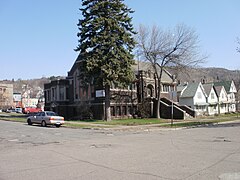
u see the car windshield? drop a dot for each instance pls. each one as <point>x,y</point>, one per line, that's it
<point>51,114</point>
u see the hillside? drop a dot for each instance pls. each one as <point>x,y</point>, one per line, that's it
<point>208,75</point>
<point>191,75</point>
<point>32,85</point>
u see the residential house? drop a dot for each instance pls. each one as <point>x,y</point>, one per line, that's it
<point>84,101</point>
<point>212,99</point>
<point>231,91</point>
<point>17,100</point>
<point>222,99</point>
<point>208,99</point>
<point>32,97</point>
<point>194,96</point>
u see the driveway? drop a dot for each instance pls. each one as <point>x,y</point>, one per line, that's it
<point>34,152</point>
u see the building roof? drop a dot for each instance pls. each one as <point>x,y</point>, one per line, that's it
<point>190,91</point>
<point>146,66</point>
<point>225,84</point>
<point>207,88</point>
<point>218,90</point>
<point>181,87</point>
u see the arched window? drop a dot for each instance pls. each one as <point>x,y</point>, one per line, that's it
<point>149,90</point>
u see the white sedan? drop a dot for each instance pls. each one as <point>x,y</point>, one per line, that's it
<point>46,118</point>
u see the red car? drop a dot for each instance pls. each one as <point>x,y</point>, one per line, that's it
<point>29,110</point>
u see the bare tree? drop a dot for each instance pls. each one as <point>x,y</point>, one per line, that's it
<point>177,48</point>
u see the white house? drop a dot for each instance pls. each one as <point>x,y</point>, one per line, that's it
<point>212,99</point>
<point>194,96</point>
<point>222,99</point>
<point>231,90</point>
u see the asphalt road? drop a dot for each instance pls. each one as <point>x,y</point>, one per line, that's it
<point>34,152</point>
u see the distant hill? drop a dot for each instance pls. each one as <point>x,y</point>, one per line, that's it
<point>207,75</point>
<point>35,85</point>
<point>191,75</point>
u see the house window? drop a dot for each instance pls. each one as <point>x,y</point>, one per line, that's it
<point>118,111</point>
<point>149,92</point>
<point>53,94</point>
<point>166,88</point>
<point>112,111</point>
<point>134,110</point>
<point>199,95</point>
<point>212,95</point>
<point>129,110</point>
<point>124,110</point>
<point>61,93</point>
<point>67,93</point>
<point>223,96</point>
<point>48,95</point>
<point>134,86</point>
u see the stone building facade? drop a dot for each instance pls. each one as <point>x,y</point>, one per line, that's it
<point>68,97</point>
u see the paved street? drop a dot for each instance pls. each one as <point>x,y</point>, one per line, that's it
<point>34,152</point>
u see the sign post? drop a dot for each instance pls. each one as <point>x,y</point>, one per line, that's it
<point>172,95</point>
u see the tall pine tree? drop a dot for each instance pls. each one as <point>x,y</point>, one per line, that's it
<point>105,44</point>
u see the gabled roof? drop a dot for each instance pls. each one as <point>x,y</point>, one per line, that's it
<point>218,90</point>
<point>208,87</point>
<point>181,87</point>
<point>147,66</point>
<point>225,84</point>
<point>190,91</point>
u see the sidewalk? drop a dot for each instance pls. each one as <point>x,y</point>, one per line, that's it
<point>150,127</point>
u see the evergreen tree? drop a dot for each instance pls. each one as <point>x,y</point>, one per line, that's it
<point>105,45</point>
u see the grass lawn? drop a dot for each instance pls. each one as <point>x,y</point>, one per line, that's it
<point>131,122</point>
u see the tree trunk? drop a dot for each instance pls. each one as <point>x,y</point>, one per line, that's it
<point>157,109</point>
<point>158,98</point>
<point>158,101</point>
<point>107,103</point>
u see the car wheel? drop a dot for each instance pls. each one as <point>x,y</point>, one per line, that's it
<point>57,125</point>
<point>29,122</point>
<point>43,124</point>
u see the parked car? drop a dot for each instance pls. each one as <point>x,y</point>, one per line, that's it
<point>10,110</point>
<point>29,110</point>
<point>46,118</point>
<point>18,110</point>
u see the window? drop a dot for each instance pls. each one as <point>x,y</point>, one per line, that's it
<point>129,110</point>
<point>124,110</point>
<point>149,92</point>
<point>53,93</point>
<point>50,114</point>
<point>199,95</point>
<point>166,88</point>
<point>212,95</point>
<point>61,93</point>
<point>112,111</point>
<point>48,95</point>
<point>118,111</point>
<point>67,91</point>
<point>223,96</point>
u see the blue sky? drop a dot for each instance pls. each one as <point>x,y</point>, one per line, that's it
<point>37,38</point>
